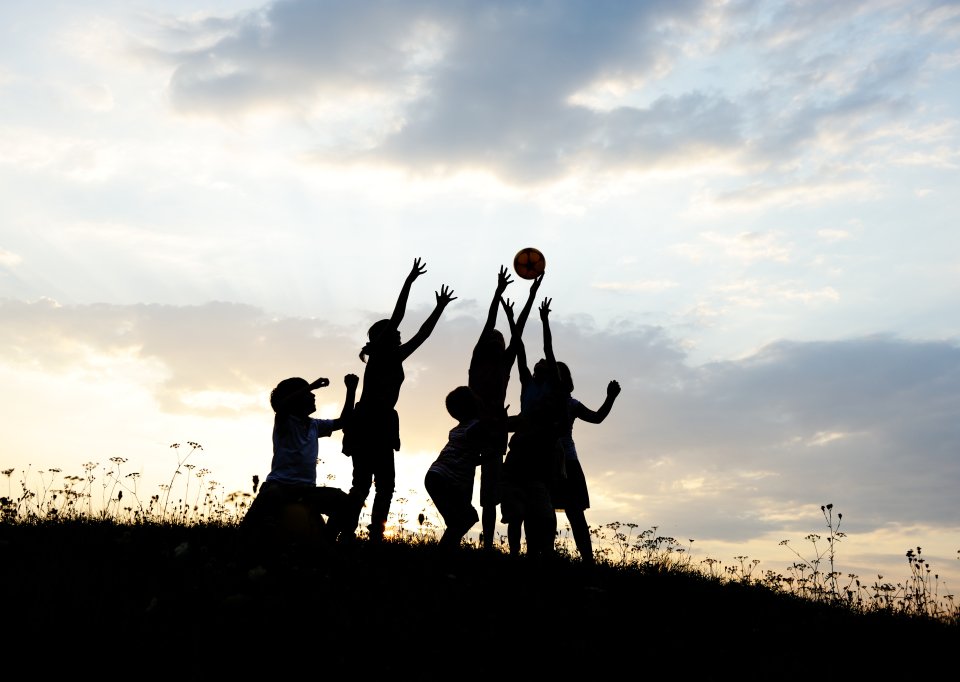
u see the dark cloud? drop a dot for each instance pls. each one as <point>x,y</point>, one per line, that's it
<point>824,100</point>
<point>290,50</point>
<point>484,85</point>
<point>490,85</point>
<point>212,347</point>
<point>871,421</point>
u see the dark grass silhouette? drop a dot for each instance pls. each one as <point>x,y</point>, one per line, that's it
<point>164,587</point>
<point>190,601</point>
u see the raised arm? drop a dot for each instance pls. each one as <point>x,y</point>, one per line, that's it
<point>508,311</point>
<point>351,381</point>
<point>503,279</point>
<point>444,296</point>
<point>588,415</point>
<point>516,328</point>
<point>528,306</point>
<point>418,269</point>
<point>515,350</point>
<point>548,336</point>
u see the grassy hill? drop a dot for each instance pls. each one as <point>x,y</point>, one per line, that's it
<point>165,600</point>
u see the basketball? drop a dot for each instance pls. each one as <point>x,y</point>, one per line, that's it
<point>529,263</point>
<point>296,524</point>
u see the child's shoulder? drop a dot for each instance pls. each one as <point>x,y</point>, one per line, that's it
<point>469,427</point>
<point>467,424</point>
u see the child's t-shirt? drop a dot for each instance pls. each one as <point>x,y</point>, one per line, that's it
<point>566,437</point>
<point>295,449</point>
<point>459,458</point>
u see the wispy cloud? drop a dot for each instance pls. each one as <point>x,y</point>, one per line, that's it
<point>833,235</point>
<point>743,247</point>
<point>8,259</point>
<point>651,286</point>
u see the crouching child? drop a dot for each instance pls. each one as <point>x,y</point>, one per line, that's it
<point>290,506</point>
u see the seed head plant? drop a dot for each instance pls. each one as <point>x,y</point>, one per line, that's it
<point>814,575</point>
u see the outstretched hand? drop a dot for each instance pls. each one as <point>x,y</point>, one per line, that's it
<point>613,389</point>
<point>322,382</point>
<point>445,295</point>
<point>535,285</point>
<point>419,267</point>
<point>507,307</point>
<point>503,279</point>
<point>545,308</point>
<point>351,381</point>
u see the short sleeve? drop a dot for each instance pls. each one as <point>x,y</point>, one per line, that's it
<point>325,427</point>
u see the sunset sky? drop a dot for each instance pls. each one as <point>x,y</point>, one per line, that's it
<point>748,210</point>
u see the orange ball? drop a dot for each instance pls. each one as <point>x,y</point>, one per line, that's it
<point>529,263</point>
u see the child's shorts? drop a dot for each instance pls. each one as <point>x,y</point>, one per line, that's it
<point>451,500</point>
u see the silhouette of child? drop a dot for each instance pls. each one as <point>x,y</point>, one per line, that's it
<point>489,375</point>
<point>534,459</point>
<point>293,470</point>
<point>569,493</point>
<point>449,480</point>
<point>373,432</point>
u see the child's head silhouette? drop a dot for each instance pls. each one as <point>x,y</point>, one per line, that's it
<point>377,329</point>
<point>540,370</point>
<point>490,348</point>
<point>494,338</point>
<point>380,335</point>
<point>463,403</point>
<point>280,397</point>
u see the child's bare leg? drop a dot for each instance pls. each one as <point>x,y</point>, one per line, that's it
<point>489,525</point>
<point>514,529</point>
<point>581,534</point>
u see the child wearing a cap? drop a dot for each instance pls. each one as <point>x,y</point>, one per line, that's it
<point>291,486</point>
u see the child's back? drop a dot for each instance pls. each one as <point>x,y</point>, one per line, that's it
<point>449,480</point>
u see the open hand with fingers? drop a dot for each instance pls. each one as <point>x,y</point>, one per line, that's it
<point>535,286</point>
<point>419,267</point>
<point>445,295</point>
<point>507,308</point>
<point>503,280</point>
<point>545,308</point>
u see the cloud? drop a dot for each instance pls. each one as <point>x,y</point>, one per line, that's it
<point>8,259</point>
<point>466,86</point>
<point>649,285</point>
<point>832,235</point>
<point>96,97</point>
<point>533,93</point>
<point>743,247</point>
<point>759,294</point>
<point>202,350</point>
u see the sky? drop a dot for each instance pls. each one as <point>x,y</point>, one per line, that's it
<point>747,209</point>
